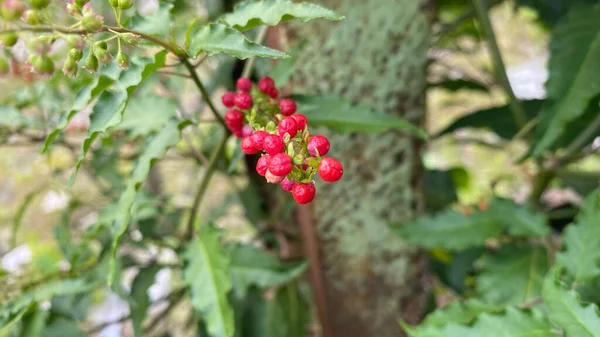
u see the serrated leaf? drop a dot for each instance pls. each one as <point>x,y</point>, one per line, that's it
<point>217,38</point>
<point>147,114</point>
<point>62,327</point>
<point>572,83</point>
<point>340,115</point>
<point>140,301</point>
<point>495,119</point>
<point>34,324</point>
<point>566,312</point>
<point>513,323</point>
<point>514,275</point>
<point>582,241</point>
<point>11,117</point>
<point>451,230</point>
<point>108,110</point>
<point>156,149</point>
<point>253,266</point>
<point>519,220</point>
<point>206,273</point>
<point>461,312</point>
<point>250,14</point>
<point>156,23</point>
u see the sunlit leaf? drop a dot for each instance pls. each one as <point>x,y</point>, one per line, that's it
<point>155,23</point>
<point>147,114</point>
<point>140,300</point>
<point>519,220</point>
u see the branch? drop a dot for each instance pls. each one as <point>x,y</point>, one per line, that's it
<point>516,108</point>
<point>205,95</point>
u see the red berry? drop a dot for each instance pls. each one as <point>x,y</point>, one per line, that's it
<point>273,144</point>
<point>280,164</point>
<point>318,144</point>
<point>234,119</point>
<point>301,121</point>
<point>273,179</point>
<point>243,100</point>
<point>244,84</point>
<point>259,137</point>
<point>266,84</point>
<point>228,99</point>
<point>287,184</point>
<point>303,193</point>
<point>248,146</point>
<point>273,93</point>
<point>263,164</point>
<point>330,170</point>
<point>238,133</point>
<point>287,106</point>
<point>287,125</point>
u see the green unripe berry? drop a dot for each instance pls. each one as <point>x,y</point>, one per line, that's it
<point>75,54</point>
<point>42,64</point>
<point>8,40</point>
<point>75,41</point>
<point>123,60</point>
<point>101,45</point>
<point>91,63</point>
<point>125,4</point>
<point>131,38</point>
<point>32,17</point>
<point>102,55</point>
<point>70,67</point>
<point>92,22</point>
<point>39,4</point>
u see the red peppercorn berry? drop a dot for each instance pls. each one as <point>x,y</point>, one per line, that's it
<point>243,100</point>
<point>273,144</point>
<point>266,84</point>
<point>280,164</point>
<point>287,125</point>
<point>303,193</point>
<point>318,144</point>
<point>228,99</point>
<point>273,93</point>
<point>301,121</point>
<point>259,137</point>
<point>244,84</point>
<point>262,165</point>
<point>248,146</point>
<point>272,178</point>
<point>330,169</point>
<point>287,106</point>
<point>287,184</point>
<point>234,119</point>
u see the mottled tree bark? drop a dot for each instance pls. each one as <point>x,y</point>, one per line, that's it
<point>376,56</point>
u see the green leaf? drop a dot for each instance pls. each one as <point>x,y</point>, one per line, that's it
<point>156,149</point>
<point>11,322</point>
<point>264,317</point>
<point>451,230</point>
<point>514,275</point>
<point>18,220</point>
<point>461,312</point>
<point>11,117</point>
<point>496,119</point>
<point>460,84</point>
<point>340,115</point>
<point>206,273</point>
<point>34,324</point>
<point>62,327</point>
<point>253,266</point>
<point>573,82</point>
<point>216,38</point>
<point>108,111</point>
<point>566,312</point>
<point>520,220</point>
<point>140,301</point>
<point>513,323</point>
<point>250,14</point>
<point>582,241</point>
<point>156,23</point>
<point>438,189</point>
<point>147,114</point>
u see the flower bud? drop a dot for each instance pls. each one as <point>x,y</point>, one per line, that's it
<point>31,17</point>
<point>8,40</point>
<point>42,64</point>
<point>92,22</point>
<point>130,38</point>
<point>87,9</point>
<point>75,54</point>
<point>11,10</point>
<point>122,60</point>
<point>72,8</point>
<point>4,67</point>
<point>70,67</point>
<point>39,4</point>
<point>102,55</point>
<point>125,4</point>
<point>75,41</point>
<point>91,63</point>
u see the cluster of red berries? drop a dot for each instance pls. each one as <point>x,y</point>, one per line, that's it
<point>290,154</point>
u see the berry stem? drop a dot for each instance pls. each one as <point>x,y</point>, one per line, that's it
<point>210,169</point>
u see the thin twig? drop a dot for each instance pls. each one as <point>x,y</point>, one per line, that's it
<point>519,115</point>
<point>203,91</point>
<point>174,73</point>
<point>579,142</point>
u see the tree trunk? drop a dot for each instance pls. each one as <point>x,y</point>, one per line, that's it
<point>376,56</point>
